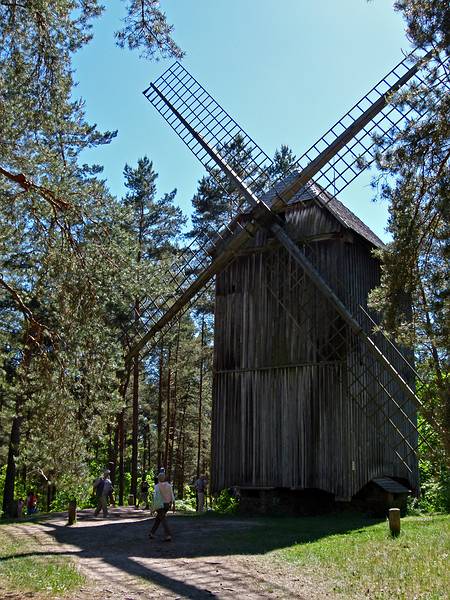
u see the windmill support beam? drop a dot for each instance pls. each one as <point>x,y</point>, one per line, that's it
<point>318,280</point>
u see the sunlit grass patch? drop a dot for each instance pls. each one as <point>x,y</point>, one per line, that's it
<point>32,573</point>
<point>368,562</point>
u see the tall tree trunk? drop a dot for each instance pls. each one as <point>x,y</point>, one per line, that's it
<point>144,449</point>
<point>183,462</point>
<point>10,478</point>
<point>173,424</point>
<point>115,452</point>
<point>159,458</point>
<point>32,337</point>
<point>135,419</point>
<point>179,453</point>
<point>121,429</point>
<point>149,449</point>
<point>109,431</point>
<point>200,399</point>
<point>135,403</point>
<point>121,434</point>
<point>169,389</point>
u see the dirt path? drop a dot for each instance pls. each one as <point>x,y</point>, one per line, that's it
<point>122,563</point>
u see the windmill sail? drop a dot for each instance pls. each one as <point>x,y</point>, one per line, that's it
<point>208,129</point>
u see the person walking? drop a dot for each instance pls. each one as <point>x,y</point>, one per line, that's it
<point>200,488</point>
<point>163,499</point>
<point>103,490</point>
<point>157,472</point>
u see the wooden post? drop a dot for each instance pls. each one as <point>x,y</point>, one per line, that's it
<point>72,516</point>
<point>394,521</point>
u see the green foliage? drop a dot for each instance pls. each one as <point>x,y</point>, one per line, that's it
<point>146,28</point>
<point>185,506</point>
<point>155,224</point>
<point>225,503</point>
<point>217,202</point>
<point>188,503</point>
<point>434,475</point>
<point>2,485</point>
<point>76,262</point>
<point>415,180</point>
<point>81,492</point>
<point>65,259</point>
<point>20,489</point>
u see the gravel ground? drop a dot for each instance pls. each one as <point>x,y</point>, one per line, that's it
<point>121,562</point>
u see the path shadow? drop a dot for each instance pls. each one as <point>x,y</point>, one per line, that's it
<point>120,548</point>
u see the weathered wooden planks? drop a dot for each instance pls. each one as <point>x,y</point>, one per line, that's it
<point>297,401</point>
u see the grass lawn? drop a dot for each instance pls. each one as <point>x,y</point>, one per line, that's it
<point>343,555</point>
<point>21,569</point>
<point>355,557</point>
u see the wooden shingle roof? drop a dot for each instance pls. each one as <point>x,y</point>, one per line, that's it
<point>312,191</point>
<point>390,485</point>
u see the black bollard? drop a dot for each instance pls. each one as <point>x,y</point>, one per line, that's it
<point>72,516</point>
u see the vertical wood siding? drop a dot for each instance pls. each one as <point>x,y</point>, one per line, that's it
<point>297,402</point>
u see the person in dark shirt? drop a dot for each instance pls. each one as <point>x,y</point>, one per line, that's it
<point>143,493</point>
<point>31,503</point>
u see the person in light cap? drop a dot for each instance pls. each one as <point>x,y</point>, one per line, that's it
<point>163,499</point>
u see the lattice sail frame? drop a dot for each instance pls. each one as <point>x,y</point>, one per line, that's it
<point>192,103</point>
<point>209,132</point>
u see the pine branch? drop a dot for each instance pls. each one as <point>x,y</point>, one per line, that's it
<point>27,185</point>
<point>36,328</point>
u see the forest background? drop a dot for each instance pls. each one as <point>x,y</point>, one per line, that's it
<point>78,264</point>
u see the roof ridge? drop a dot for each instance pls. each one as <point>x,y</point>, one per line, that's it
<point>342,213</point>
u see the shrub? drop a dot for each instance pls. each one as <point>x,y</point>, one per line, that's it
<point>225,503</point>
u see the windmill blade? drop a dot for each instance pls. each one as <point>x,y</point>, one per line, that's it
<point>373,117</point>
<point>187,103</point>
<point>202,123</point>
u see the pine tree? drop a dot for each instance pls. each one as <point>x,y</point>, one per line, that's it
<point>66,259</point>
<point>415,181</point>
<point>156,226</point>
<point>284,161</point>
<point>217,202</point>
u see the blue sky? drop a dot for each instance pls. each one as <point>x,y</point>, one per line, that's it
<point>286,70</point>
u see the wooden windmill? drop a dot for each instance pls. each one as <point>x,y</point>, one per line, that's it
<point>306,397</point>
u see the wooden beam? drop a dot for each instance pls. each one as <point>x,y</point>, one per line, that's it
<point>321,284</point>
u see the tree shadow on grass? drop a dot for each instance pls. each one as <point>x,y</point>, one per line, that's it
<point>118,548</point>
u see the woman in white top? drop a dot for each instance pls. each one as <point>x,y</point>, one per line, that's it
<point>163,498</point>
